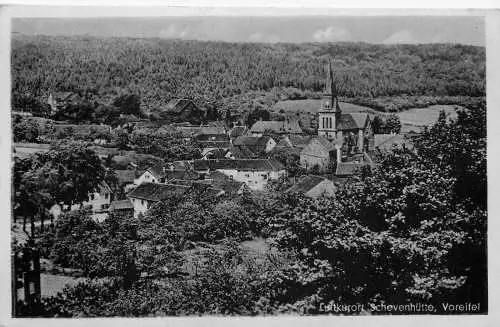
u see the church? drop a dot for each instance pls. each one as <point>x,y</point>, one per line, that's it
<point>351,132</point>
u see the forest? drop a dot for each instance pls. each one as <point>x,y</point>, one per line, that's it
<point>232,75</point>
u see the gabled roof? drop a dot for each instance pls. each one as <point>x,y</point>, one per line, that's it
<point>306,184</point>
<point>157,192</point>
<point>242,152</point>
<point>121,205</point>
<point>299,141</point>
<point>177,105</point>
<point>217,145</point>
<point>125,176</point>
<point>238,164</point>
<point>251,141</point>
<point>181,175</point>
<point>284,142</point>
<point>65,96</point>
<point>352,121</point>
<point>158,172</point>
<point>237,131</point>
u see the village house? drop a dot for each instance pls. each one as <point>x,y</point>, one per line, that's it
<point>254,172</point>
<point>320,153</point>
<point>352,132</point>
<point>122,207</point>
<point>288,126</point>
<point>237,131</point>
<point>183,110</point>
<point>60,100</point>
<point>148,194</point>
<point>257,145</point>
<point>188,131</point>
<point>155,174</point>
<point>212,144</point>
<point>313,187</point>
<point>126,178</point>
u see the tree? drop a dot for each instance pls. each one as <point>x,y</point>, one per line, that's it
<point>129,104</point>
<point>68,172</point>
<point>393,124</point>
<point>378,124</point>
<point>25,130</point>
<point>256,115</point>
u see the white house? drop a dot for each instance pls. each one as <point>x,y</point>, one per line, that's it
<point>98,201</point>
<point>147,194</point>
<point>151,175</point>
<point>253,172</point>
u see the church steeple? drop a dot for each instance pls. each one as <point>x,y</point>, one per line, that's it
<point>327,115</point>
<point>329,88</point>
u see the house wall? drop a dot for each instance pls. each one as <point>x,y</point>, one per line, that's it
<point>270,145</point>
<point>255,180</point>
<point>315,154</point>
<point>140,206</point>
<point>98,200</point>
<point>145,177</point>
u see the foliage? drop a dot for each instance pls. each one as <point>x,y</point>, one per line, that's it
<point>405,228</point>
<point>25,130</point>
<point>106,249</point>
<point>256,115</point>
<point>227,281</point>
<point>168,146</point>
<point>390,124</point>
<point>129,104</point>
<point>207,72</point>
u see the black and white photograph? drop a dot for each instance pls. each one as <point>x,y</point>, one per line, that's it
<point>248,165</point>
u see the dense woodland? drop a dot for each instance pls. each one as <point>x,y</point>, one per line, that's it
<point>233,75</point>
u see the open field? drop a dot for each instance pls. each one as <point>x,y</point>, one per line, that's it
<point>426,116</point>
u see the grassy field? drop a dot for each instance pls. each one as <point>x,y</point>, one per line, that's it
<point>426,116</point>
<point>412,119</point>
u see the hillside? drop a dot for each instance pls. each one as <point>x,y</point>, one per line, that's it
<point>158,70</point>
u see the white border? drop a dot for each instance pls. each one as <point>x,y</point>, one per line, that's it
<point>270,9</point>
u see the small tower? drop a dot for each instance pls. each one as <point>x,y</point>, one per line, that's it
<point>330,111</point>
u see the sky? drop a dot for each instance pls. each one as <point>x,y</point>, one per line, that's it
<point>298,29</point>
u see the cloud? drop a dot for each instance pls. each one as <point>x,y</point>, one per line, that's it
<point>404,36</point>
<point>261,37</point>
<point>173,32</point>
<point>332,34</point>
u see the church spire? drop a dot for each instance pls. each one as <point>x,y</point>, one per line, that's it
<point>329,86</point>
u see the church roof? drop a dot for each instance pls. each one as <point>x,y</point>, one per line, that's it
<point>351,121</point>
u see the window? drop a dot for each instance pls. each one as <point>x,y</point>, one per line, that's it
<point>106,195</point>
<point>146,177</point>
<point>104,206</point>
<point>230,176</point>
<point>264,176</point>
<point>247,175</point>
<point>92,197</point>
<point>323,121</point>
<point>142,202</point>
